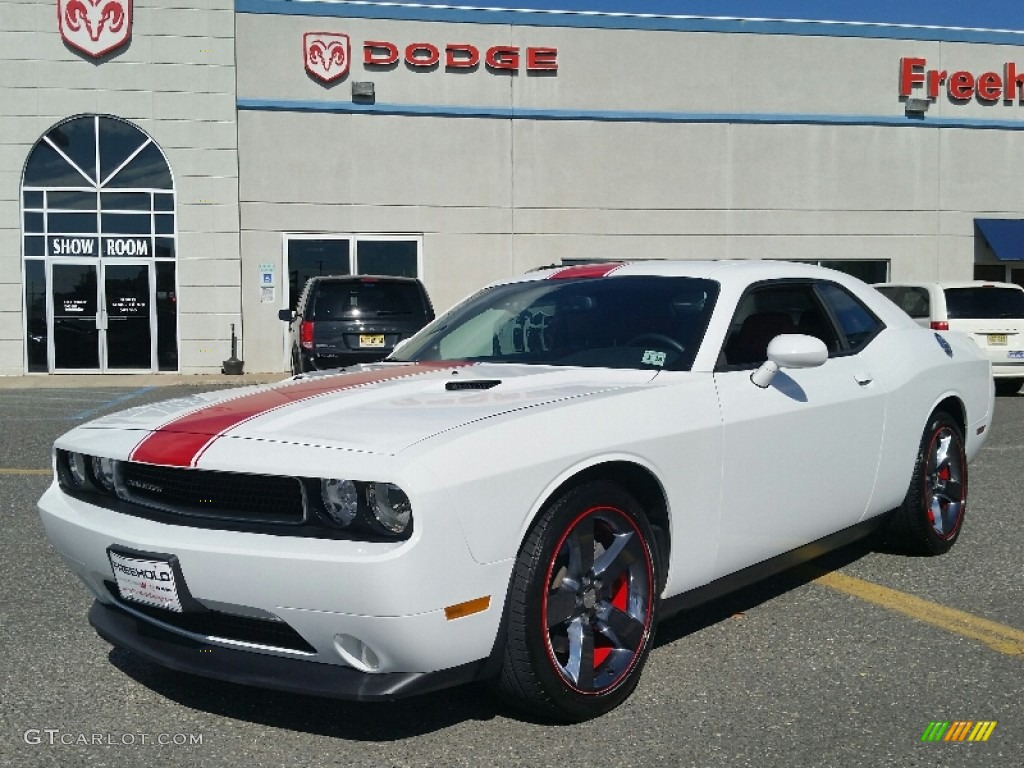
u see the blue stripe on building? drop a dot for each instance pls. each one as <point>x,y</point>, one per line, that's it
<point>507,113</point>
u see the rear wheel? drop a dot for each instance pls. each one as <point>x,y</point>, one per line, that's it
<point>930,518</point>
<point>1008,386</point>
<point>582,606</point>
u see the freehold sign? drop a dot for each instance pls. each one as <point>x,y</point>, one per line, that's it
<point>916,79</point>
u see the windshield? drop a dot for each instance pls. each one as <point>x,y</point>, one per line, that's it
<point>616,322</point>
<point>984,303</point>
<point>346,300</point>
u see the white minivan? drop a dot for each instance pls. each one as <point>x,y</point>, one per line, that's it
<point>990,313</point>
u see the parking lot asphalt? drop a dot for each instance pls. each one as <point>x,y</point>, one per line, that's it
<point>845,663</point>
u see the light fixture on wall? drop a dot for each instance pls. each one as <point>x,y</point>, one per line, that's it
<point>363,92</point>
<point>916,107</point>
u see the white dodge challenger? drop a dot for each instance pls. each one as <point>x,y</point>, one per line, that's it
<point>525,488</point>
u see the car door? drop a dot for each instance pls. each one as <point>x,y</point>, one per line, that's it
<point>800,456</point>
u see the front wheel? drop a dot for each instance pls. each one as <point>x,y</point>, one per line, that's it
<point>929,520</point>
<point>582,605</point>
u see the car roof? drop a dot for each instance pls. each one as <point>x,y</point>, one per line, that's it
<point>745,271</point>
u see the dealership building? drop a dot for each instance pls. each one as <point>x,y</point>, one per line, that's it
<point>171,171</point>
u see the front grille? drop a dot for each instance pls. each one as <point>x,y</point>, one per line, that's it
<point>219,495</point>
<point>275,634</point>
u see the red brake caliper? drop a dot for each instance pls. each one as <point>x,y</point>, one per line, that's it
<point>620,594</point>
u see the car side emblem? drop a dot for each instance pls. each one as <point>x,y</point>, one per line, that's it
<point>945,345</point>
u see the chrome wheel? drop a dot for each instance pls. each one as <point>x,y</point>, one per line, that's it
<point>931,516</point>
<point>944,487</point>
<point>597,609</point>
<point>582,605</point>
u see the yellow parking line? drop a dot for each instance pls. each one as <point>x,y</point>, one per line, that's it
<point>997,636</point>
<point>7,471</point>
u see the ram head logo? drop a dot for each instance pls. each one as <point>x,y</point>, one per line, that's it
<point>326,55</point>
<point>95,27</point>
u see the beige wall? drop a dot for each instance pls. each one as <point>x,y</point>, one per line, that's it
<point>176,81</point>
<point>495,196</point>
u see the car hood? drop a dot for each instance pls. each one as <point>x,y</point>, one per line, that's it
<point>380,408</point>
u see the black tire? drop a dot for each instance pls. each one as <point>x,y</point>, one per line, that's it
<point>576,651</point>
<point>930,519</point>
<point>1007,387</point>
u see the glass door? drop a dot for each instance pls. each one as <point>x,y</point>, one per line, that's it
<point>74,294</point>
<point>127,323</point>
<point>102,326</point>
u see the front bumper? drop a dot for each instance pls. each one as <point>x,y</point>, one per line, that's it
<point>189,654</point>
<point>335,597</point>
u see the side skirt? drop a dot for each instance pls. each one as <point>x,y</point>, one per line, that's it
<point>734,581</point>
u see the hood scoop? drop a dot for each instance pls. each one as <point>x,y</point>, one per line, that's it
<point>458,386</point>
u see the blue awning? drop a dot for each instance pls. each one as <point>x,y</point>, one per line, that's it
<point>1005,237</point>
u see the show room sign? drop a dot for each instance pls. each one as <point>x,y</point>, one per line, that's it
<point>64,245</point>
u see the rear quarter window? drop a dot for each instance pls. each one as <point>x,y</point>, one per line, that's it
<point>856,322</point>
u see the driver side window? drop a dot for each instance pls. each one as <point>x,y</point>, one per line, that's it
<point>766,312</point>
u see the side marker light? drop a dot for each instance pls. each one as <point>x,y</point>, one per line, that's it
<point>468,608</point>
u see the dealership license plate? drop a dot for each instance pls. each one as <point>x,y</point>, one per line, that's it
<point>150,582</point>
<point>997,339</point>
<point>371,340</point>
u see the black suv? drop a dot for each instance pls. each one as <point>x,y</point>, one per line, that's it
<point>341,321</point>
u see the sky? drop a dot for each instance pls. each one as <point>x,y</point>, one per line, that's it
<point>979,14</point>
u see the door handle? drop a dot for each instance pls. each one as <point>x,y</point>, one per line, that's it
<point>863,378</point>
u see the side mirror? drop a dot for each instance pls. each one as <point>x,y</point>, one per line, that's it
<point>285,314</point>
<point>790,350</point>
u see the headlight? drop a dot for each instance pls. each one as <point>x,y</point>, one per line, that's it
<point>390,506</point>
<point>103,472</point>
<point>340,500</point>
<point>76,470</point>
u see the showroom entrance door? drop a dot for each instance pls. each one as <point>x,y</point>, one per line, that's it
<point>101,317</point>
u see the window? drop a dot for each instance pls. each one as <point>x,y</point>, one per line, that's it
<point>309,256</point>
<point>856,321</point>
<point>623,322</point>
<point>912,300</point>
<point>366,298</point>
<point>98,202</point>
<point>988,303</point>
<point>768,311</point>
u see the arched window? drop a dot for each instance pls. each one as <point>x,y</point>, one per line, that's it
<point>99,244</point>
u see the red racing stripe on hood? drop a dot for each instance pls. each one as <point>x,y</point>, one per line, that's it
<point>586,270</point>
<point>183,440</point>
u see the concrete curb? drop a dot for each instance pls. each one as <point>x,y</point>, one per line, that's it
<point>134,381</point>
